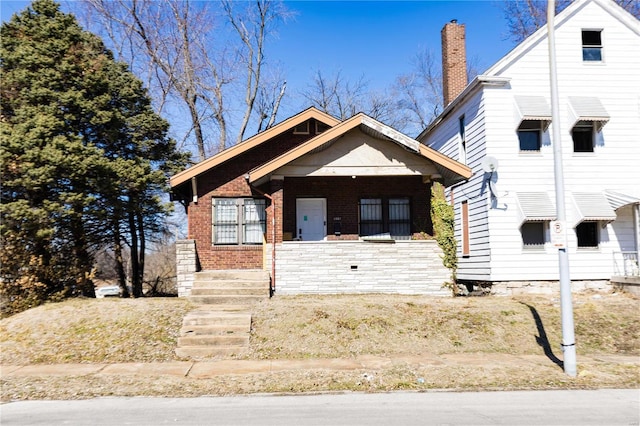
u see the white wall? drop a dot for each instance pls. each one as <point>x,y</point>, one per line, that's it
<point>614,165</point>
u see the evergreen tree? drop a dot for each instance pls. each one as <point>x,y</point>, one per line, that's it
<point>82,154</point>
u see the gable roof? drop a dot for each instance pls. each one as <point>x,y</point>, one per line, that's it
<point>451,170</point>
<point>250,143</point>
<point>540,35</point>
<point>492,76</point>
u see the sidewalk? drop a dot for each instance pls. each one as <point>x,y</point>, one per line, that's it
<point>207,369</point>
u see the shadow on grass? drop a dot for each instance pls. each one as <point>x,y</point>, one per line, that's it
<point>542,339</point>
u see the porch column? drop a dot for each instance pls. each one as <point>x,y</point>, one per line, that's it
<point>277,193</point>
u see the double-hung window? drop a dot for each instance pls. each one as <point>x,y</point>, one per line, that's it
<point>391,216</point>
<point>238,220</point>
<point>591,45</point>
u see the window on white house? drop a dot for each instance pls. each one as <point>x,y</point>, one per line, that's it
<point>463,140</point>
<point>583,136</point>
<point>592,45</point>
<point>530,134</point>
<point>379,216</point>
<point>238,220</point>
<point>587,234</point>
<point>533,235</point>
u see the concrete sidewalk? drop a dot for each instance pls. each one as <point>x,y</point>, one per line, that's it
<point>207,369</point>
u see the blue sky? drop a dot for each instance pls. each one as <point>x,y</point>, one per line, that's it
<point>380,38</point>
<point>376,40</point>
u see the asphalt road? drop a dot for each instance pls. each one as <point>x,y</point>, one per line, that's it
<point>592,407</point>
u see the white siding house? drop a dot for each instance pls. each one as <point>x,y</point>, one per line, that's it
<point>502,120</point>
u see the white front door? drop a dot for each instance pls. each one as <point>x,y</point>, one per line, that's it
<point>311,218</point>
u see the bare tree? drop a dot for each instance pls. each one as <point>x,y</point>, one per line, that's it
<point>343,98</point>
<point>180,48</point>
<point>419,93</point>
<point>524,17</point>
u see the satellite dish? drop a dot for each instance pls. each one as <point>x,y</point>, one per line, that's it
<point>489,164</point>
<point>493,187</point>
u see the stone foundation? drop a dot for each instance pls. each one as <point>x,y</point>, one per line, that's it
<point>514,288</point>
<point>186,265</point>
<point>348,267</point>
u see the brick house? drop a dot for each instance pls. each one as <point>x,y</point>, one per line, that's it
<point>325,206</point>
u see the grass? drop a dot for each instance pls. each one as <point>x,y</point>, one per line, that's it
<point>471,336</point>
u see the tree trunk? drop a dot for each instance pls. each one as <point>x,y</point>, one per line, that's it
<point>117,250</point>
<point>136,285</point>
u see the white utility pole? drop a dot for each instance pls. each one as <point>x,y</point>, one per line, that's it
<point>566,307</point>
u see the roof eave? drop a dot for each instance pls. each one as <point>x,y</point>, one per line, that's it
<point>229,153</point>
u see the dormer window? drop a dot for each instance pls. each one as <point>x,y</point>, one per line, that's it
<point>321,127</point>
<point>301,129</point>
<point>592,45</point>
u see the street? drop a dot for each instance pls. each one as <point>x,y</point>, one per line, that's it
<point>582,407</point>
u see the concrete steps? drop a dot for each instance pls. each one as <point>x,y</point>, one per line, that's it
<point>221,325</point>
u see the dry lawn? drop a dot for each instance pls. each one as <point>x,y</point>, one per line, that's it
<point>475,331</point>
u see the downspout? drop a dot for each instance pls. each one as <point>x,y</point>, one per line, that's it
<point>272,289</point>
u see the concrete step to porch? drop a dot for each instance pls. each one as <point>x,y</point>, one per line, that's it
<point>221,325</point>
<point>213,330</point>
<point>254,290</point>
<point>215,318</point>
<point>234,274</point>
<point>226,299</point>
<point>203,352</point>
<point>208,340</point>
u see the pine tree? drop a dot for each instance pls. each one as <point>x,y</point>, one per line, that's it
<point>82,153</point>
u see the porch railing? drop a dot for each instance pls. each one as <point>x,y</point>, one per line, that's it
<point>626,263</point>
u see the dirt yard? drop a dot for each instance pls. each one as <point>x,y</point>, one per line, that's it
<point>476,332</point>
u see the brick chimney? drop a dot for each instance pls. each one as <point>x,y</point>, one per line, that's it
<point>454,61</point>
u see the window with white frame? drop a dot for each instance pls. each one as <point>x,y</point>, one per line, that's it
<point>592,45</point>
<point>530,135</point>
<point>379,216</point>
<point>587,234</point>
<point>583,134</point>
<point>533,235</point>
<point>238,220</point>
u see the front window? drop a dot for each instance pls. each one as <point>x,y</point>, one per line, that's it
<point>533,235</point>
<point>587,234</point>
<point>238,220</point>
<point>529,135</point>
<point>591,45</point>
<point>582,135</point>
<point>371,216</point>
<point>379,216</point>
